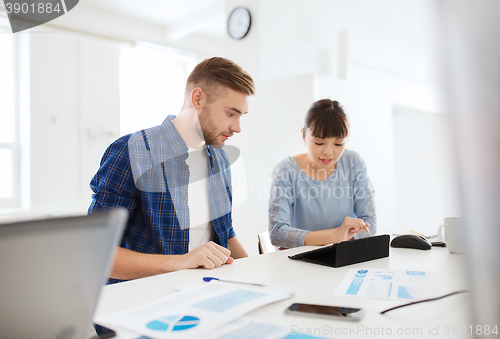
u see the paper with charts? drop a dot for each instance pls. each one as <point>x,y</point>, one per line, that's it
<point>193,313</point>
<point>388,284</point>
<point>242,328</point>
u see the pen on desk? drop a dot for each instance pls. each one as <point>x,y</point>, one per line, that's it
<point>425,236</point>
<point>207,279</point>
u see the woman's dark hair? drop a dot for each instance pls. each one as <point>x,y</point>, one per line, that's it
<point>326,119</point>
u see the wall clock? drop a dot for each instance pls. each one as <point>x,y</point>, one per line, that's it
<point>239,23</point>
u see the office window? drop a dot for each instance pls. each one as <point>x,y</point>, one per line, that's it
<point>152,86</point>
<point>9,139</point>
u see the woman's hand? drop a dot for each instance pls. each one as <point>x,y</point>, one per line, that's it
<point>346,231</point>
<point>350,227</point>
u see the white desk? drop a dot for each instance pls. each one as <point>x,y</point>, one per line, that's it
<point>316,284</point>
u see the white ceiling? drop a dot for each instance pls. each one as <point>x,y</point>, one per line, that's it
<point>387,35</point>
<point>180,18</point>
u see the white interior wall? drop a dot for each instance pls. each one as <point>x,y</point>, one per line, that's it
<point>54,103</point>
<point>368,56</point>
<point>424,181</point>
<point>99,108</point>
<point>270,132</point>
<point>74,117</point>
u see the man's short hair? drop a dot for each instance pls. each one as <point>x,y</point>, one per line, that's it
<point>215,75</point>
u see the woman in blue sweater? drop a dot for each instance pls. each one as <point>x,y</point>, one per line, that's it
<point>323,196</point>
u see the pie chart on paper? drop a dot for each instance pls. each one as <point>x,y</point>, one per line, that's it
<point>173,323</point>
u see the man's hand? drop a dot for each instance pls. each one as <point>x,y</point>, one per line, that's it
<point>132,265</point>
<point>209,255</point>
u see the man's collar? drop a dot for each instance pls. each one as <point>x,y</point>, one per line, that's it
<point>177,145</point>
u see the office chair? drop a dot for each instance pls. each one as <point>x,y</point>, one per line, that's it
<point>265,245</point>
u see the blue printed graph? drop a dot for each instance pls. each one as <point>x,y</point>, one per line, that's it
<point>226,301</point>
<point>405,292</point>
<point>415,273</point>
<point>355,286</point>
<point>386,275</point>
<point>361,273</point>
<point>173,323</point>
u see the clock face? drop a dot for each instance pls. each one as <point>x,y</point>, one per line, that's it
<point>239,23</point>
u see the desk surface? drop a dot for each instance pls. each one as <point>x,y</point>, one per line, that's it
<point>316,284</point>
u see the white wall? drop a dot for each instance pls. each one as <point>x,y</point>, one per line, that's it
<point>270,132</point>
<point>424,176</point>
<point>74,94</point>
<point>371,56</point>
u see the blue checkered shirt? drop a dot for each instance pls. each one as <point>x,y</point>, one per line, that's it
<point>146,173</point>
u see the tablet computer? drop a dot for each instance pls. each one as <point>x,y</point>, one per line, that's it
<point>348,252</point>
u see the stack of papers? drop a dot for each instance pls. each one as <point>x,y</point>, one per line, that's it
<point>194,312</point>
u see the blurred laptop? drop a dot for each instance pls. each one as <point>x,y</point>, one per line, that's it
<point>52,272</point>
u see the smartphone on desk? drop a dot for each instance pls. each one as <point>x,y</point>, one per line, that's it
<point>106,333</point>
<point>324,311</point>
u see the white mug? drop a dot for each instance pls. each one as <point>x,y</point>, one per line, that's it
<point>453,234</point>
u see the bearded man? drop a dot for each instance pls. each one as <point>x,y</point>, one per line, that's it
<point>175,180</point>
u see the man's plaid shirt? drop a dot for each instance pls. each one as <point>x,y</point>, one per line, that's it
<point>146,173</point>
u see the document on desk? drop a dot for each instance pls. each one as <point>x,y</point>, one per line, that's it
<point>241,328</point>
<point>388,284</point>
<point>195,312</point>
<point>246,328</point>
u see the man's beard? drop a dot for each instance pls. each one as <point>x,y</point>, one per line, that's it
<point>208,129</point>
